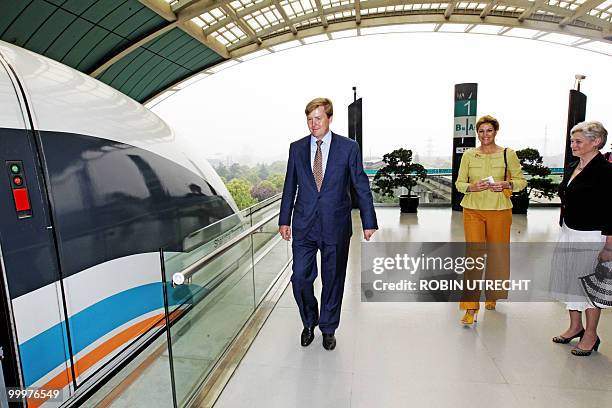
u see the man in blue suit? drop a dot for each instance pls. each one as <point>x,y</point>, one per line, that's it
<point>321,169</point>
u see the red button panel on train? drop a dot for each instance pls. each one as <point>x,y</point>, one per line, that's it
<point>19,188</point>
<point>22,202</point>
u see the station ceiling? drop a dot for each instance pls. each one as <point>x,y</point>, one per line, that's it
<point>142,48</point>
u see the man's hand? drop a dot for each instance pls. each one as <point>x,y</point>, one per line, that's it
<point>367,234</point>
<point>285,232</point>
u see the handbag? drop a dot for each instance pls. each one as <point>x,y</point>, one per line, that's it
<point>598,285</point>
<point>506,191</point>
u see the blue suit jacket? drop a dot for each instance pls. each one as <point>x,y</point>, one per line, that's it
<point>331,207</point>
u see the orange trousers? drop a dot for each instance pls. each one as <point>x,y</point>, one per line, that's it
<point>486,227</point>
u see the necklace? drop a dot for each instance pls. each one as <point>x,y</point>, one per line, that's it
<point>579,168</point>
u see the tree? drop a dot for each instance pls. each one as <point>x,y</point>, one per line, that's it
<point>240,189</point>
<point>279,166</point>
<point>222,171</point>
<point>234,171</point>
<point>262,171</point>
<point>278,180</point>
<point>539,182</point>
<point>250,174</point>
<point>398,171</point>
<point>263,190</point>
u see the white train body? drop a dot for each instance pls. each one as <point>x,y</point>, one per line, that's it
<point>107,183</point>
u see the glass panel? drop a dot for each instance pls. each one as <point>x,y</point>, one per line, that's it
<point>435,189</point>
<point>271,255</point>
<point>208,310</point>
<point>145,381</point>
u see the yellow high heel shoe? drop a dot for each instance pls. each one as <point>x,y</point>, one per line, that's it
<point>490,304</point>
<point>470,318</point>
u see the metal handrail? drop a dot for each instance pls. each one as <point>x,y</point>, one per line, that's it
<point>261,205</point>
<point>179,277</point>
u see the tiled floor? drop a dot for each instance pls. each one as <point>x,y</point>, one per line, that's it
<point>417,354</point>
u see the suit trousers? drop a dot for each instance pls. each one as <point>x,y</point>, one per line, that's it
<point>491,227</point>
<point>333,272</point>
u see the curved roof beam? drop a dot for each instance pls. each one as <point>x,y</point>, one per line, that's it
<point>581,11</point>
<point>505,24</point>
<point>321,13</point>
<point>485,12</point>
<point>164,10</point>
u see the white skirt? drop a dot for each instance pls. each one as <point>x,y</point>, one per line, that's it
<point>575,256</point>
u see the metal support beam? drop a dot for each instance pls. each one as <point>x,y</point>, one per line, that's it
<point>244,26</point>
<point>95,73</point>
<point>358,11</point>
<point>321,13</point>
<point>581,11</point>
<point>528,12</point>
<point>196,32</point>
<point>182,4</point>
<point>161,8</point>
<point>285,17</point>
<point>241,14</point>
<point>505,24</point>
<point>449,9</point>
<point>485,12</point>
<point>199,7</point>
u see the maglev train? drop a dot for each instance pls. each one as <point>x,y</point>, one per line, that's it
<point>92,186</point>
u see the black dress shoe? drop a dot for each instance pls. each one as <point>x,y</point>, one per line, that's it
<point>329,341</point>
<point>307,336</point>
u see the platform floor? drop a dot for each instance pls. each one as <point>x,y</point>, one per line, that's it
<point>418,354</point>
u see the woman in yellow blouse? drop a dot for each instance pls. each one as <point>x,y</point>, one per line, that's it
<point>487,210</point>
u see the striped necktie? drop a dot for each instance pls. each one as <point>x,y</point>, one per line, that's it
<point>317,167</point>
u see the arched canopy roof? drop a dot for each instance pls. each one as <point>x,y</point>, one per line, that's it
<point>145,47</point>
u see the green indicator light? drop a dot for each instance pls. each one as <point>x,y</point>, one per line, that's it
<point>15,169</point>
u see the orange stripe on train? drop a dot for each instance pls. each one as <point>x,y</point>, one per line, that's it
<point>87,361</point>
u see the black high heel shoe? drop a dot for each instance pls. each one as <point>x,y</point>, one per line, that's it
<point>583,353</point>
<point>565,340</point>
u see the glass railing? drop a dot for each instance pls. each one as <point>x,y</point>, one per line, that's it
<point>436,190</point>
<point>210,290</point>
<point>213,292</point>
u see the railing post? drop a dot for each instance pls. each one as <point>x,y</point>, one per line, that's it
<point>167,317</point>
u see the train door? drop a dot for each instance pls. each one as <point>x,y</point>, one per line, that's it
<point>34,336</point>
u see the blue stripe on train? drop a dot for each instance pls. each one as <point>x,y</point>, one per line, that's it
<point>45,352</point>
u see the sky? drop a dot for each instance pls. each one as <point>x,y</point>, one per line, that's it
<point>250,112</point>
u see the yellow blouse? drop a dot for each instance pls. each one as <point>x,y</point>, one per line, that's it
<point>476,166</point>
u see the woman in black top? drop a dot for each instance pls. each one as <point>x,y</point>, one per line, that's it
<point>586,232</point>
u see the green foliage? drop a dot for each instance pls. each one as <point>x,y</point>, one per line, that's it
<point>540,182</point>
<point>264,190</point>
<point>251,175</point>
<point>263,172</point>
<point>263,181</point>
<point>398,171</point>
<point>222,171</point>
<point>240,189</point>
<point>278,166</point>
<point>278,180</point>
